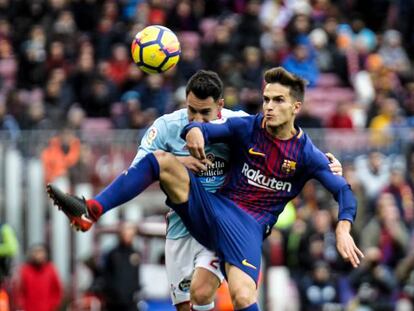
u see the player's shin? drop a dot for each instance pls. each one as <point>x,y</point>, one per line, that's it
<point>130,183</point>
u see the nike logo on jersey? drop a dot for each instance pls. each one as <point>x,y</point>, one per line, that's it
<point>248,264</point>
<point>256,153</point>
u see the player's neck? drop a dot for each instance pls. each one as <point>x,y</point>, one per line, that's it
<point>283,132</point>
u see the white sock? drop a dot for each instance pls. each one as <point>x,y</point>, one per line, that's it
<point>208,307</point>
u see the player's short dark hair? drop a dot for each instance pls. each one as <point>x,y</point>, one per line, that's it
<point>205,83</point>
<point>293,82</point>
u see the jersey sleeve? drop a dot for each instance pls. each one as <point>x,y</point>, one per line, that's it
<point>155,138</point>
<point>337,185</point>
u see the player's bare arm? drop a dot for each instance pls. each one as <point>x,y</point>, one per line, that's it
<point>195,143</point>
<point>346,245</point>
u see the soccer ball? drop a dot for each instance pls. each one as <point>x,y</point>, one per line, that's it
<point>155,49</point>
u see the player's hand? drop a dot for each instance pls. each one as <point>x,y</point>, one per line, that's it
<point>195,143</point>
<point>346,245</point>
<point>334,164</point>
<point>193,164</point>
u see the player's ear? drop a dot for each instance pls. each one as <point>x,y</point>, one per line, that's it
<point>297,106</point>
<point>220,103</point>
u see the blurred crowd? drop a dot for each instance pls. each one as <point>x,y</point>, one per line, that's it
<point>70,60</point>
<point>304,240</point>
<point>66,65</point>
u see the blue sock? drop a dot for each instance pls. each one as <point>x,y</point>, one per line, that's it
<point>130,183</point>
<point>253,307</point>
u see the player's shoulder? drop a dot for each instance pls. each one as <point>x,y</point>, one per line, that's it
<point>227,113</point>
<point>171,121</point>
<point>311,153</point>
<point>234,116</point>
<point>168,125</point>
<point>177,116</point>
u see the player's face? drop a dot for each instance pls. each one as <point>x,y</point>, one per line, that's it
<point>203,110</point>
<point>279,108</point>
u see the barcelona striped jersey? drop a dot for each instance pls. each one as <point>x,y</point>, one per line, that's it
<point>266,173</point>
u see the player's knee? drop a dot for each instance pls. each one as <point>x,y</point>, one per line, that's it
<point>165,159</point>
<point>242,297</point>
<point>202,294</point>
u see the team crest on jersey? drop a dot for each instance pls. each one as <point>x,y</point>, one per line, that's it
<point>185,285</point>
<point>288,167</point>
<point>210,157</point>
<point>152,133</point>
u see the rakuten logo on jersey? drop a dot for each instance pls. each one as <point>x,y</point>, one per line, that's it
<point>257,179</point>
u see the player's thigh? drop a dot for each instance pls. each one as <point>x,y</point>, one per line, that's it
<point>179,263</point>
<point>174,177</point>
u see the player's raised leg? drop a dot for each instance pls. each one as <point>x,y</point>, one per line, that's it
<point>159,165</point>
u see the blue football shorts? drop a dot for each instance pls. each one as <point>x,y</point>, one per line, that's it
<point>220,225</point>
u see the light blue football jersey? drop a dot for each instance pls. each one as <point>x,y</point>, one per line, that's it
<point>164,134</point>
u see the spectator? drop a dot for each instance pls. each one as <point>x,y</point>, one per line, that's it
<point>402,192</point>
<point>182,17</point>
<point>381,124</point>
<point>9,246</point>
<point>38,287</point>
<point>128,113</point>
<point>341,118</point>
<point>318,243</point>
<point>82,77</point>
<point>189,63</point>
<point>134,79</point>
<point>386,231</point>
<point>57,58</point>
<point>373,171</point>
<point>249,28</point>
<point>301,62</point>
<point>100,97</point>
<point>119,65</point>
<point>223,45</point>
<point>32,67</point>
<point>324,55</point>
<point>8,124</point>
<point>60,155</point>
<point>8,65</point>
<point>393,53</point>
<point>274,47</point>
<point>35,117</point>
<point>373,282</point>
<point>252,69</point>
<point>76,117</point>
<point>121,272</point>
<point>319,289</point>
<point>301,24</point>
<point>154,94</point>
<point>8,250</point>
